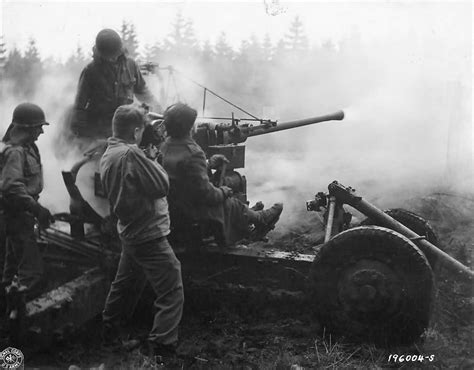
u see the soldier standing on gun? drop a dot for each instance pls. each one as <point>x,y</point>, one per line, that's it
<point>110,80</point>
<point>21,182</point>
<point>137,188</point>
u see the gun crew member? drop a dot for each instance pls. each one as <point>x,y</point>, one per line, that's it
<point>193,196</point>
<point>110,80</point>
<point>137,188</point>
<point>21,183</point>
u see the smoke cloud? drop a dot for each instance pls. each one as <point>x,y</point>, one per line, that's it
<point>408,124</point>
<point>55,94</point>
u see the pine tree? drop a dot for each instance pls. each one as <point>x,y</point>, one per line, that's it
<point>295,39</point>
<point>280,51</point>
<point>255,49</point>
<point>31,54</point>
<point>3,61</point>
<point>267,48</point>
<point>250,52</point>
<point>175,37</point>
<point>13,61</point>
<point>153,53</point>
<point>123,29</point>
<point>182,39</point>
<point>329,46</point>
<point>244,52</point>
<point>131,42</point>
<point>15,71</point>
<point>223,49</point>
<point>33,68</point>
<point>207,53</point>
<point>189,36</point>
<point>76,61</point>
<point>129,38</point>
<point>3,54</point>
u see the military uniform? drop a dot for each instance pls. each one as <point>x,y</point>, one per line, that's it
<point>21,182</point>
<point>194,197</point>
<point>104,86</point>
<point>136,188</point>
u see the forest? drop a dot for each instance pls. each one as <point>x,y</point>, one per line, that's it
<point>249,74</point>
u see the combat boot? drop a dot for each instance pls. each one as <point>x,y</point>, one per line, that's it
<point>264,221</point>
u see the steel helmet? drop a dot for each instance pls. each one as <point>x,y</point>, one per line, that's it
<point>28,115</point>
<point>108,43</point>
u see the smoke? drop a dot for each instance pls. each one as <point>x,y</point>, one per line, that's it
<point>54,95</point>
<point>407,129</point>
<point>406,94</point>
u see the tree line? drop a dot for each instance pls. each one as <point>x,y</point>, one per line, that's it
<point>248,71</point>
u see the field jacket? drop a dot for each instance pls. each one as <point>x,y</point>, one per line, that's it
<point>192,196</point>
<point>103,87</point>
<point>191,191</point>
<point>136,188</point>
<point>21,178</point>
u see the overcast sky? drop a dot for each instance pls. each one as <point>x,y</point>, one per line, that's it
<point>59,26</point>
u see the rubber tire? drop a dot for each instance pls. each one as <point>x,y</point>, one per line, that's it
<point>417,224</point>
<point>396,252</point>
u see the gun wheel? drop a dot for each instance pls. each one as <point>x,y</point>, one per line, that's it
<point>372,284</point>
<point>417,224</point>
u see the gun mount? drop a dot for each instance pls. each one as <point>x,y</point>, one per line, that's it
<point>228,138</point>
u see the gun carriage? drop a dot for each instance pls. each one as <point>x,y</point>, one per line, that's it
<point>372,282</point>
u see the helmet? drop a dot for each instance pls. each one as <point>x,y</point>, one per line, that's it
<point>108,43</point>
<point>28,115</point>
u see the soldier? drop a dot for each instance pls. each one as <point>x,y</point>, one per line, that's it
<point>110,80</point>
<point>136,188</point>
<point>21,182</point>
<point>193,196</point>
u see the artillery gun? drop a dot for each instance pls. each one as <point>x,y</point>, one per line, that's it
<point>89,254</point>
<point>227,138</point>
<point>370,283</point>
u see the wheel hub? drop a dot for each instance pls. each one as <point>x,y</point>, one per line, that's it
<point>369,288</point>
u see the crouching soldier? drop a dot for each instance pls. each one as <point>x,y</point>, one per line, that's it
<point>192,195</point>
<point>21,182</point>
<point>136,188</point>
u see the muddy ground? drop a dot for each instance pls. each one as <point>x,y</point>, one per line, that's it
<point>227,336</point>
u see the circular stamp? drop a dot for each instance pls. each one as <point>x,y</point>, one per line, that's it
<point>11,358</point>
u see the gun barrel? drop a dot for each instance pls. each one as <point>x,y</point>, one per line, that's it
<point>337,116</point>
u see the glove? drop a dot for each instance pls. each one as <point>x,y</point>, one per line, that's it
<point>226,191</point>
<point>45,218</point>
<point>217,160</point>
